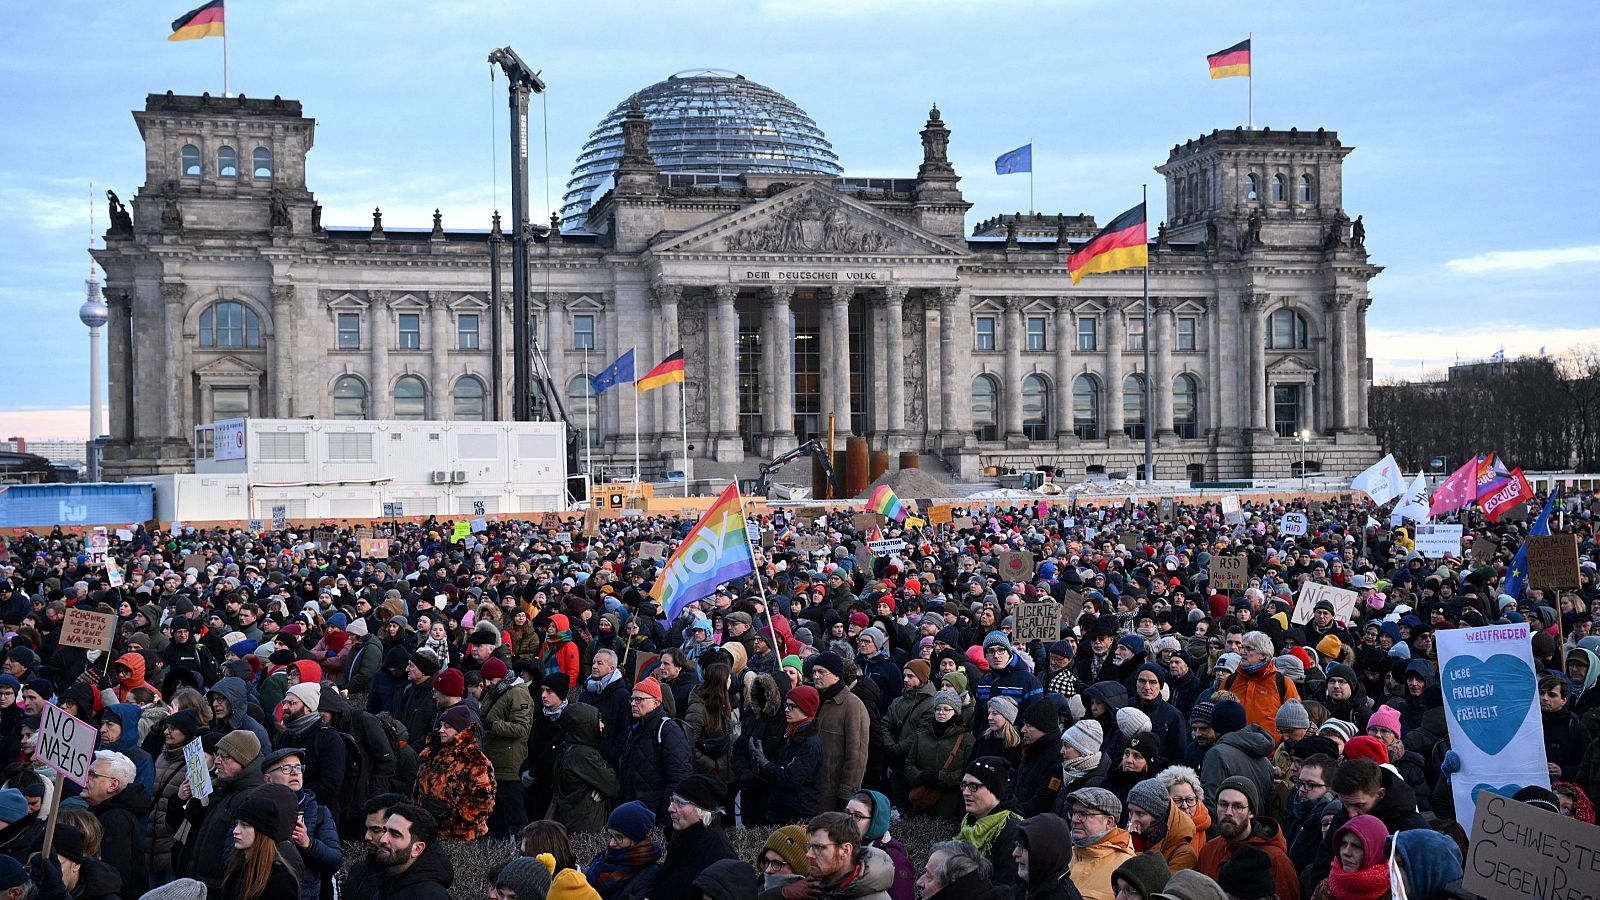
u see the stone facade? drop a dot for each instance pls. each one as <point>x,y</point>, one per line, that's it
<point>229,296</point>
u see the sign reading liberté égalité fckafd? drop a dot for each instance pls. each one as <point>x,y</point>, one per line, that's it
<point>1491,700</point>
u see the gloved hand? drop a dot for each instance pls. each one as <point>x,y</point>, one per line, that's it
<point>926,779</point>
<point>1451,763</point>
<point>527,779</point>
<point>757,755</point>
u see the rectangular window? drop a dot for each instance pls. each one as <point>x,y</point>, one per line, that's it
<point>350,447</point>
<point>1186,333</point>
<point>1036,333</point>
<point>583,332</point>
<point>410,331</point>
<point>1136,334</point>
<point>467,332</point>
<point>229,403</point>
<point>985,333</point>
<point>349,331</point>
<point>1088,335</point>
<point>1286,409</point>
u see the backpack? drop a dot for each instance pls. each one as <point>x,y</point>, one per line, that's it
<point>354,789</point>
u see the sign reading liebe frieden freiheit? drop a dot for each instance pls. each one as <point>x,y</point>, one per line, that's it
<point>1490,692</point>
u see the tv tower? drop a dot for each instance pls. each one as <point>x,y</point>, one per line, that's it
<point>94,314</point>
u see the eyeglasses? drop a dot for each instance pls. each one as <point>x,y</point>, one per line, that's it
<point>860,817</point>
<point>293,769</point>
<point>1233,807</point>
<point>1081,814</point>
<point>770,863</point>
<point>971,786</point>
<point>1306,785</point>
<point>640,698</point>
<point>1185,802</point>
<point>787,704</point>
<point>222,755</point>
<point>617,836</point>
<point>94,774</point>
<point>818,848</point>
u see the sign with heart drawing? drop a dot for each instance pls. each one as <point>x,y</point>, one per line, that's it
<point>1491,699</point>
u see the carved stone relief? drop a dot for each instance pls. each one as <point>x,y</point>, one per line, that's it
<point>815,224</point>
<point>692,332</point>
<point>915,373</point>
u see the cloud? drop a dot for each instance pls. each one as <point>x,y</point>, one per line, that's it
<point>1411,354</point>
<point>50,204</point>
<point>1524,260</point>
<point>70,423</point>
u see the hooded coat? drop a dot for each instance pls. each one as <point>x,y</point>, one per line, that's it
<point>1093,866</point>
<point>690,852</point>
<point>1246,752</point>
<point>584,781</point>
<point>507,720</point>
<point>135,663</point>
<point>1037,778</point>
<point>170,772</point>
<point>377,758</point>
<point>237,694</point>
<point>455,782</point>
<point>932,744</point>
<point>389,682</point>
<point>429,878</point>
<point>1048,840</point>
<point>127,743</point>
<point>871,879</point>
<point>1397,809</point>
<point>1259,692</point>
<point>655,759</point>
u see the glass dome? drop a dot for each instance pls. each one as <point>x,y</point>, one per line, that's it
<point>703,122</point>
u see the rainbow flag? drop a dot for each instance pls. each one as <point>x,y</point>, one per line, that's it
<point>203,22</point>
<point>714,552</point>
<point>885,503</point>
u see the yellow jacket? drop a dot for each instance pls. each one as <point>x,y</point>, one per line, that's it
<point>1092,865</point>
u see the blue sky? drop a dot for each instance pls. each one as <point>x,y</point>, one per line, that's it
<point>1474,125</point>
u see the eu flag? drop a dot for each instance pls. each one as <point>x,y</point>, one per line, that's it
<point>616,373</point>
<point>1018,160</point>
<point>1519,565</point>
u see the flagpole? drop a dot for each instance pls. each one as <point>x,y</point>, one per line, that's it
<point>1030,176</point>
<point>637,479</point>
<point>1149,384</point>
<point>683,420</point>
<point>588,424</point>
<point>225,91</point>
<point>761,585</point>
<point>1250,80</point>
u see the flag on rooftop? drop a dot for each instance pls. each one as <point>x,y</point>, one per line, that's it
<point>1018,160</point>
<point>202,22</point>
<point>1232,62</point>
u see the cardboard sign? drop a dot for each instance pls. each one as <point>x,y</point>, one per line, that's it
<point>1491,703</point>
<point>280,517</point>
<point>888,545</point>
<point>643,665</point>
<point>653,550</point>
<point>1438,541</point>
<point>1232,511</point>
<point>865,521</point>
<point>1167,509</point>
<point>66,744</point>
<point>460,532</point>
<point>810,543</point>
<point>1520,851</point>
<point>1071,609</point>
<point>916,522</point>
<point>962,524</point>
<point>1553,561</point>
<point>89,630</point>
<point>1036,622</point>
<point>1229,573</point>
<point>1312,593</point>
<point>1483,550</point>
<point>1016,566</point>
<point>1130,539</point>
<point>374,548</point>
<point>194,769</point>
<point>124,534</point>
<point>591,522</point>
<point>940,514</point>
<point>1293,525</point>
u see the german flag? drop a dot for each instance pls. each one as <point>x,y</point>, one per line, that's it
<point>1230,62</point>
<point>670,370</point>
<point>198,23</point>
<point>1120,245</point>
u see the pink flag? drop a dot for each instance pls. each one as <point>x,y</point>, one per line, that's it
<point>1460,489</point>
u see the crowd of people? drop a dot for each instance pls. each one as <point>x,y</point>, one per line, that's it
<point>521,684</point>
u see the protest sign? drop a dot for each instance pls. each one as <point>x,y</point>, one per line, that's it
<point>124,534</point>
<point>479,507</point>
<point>810,543</point>
<point>1036,622</point>
<point>1229,573</point>
<point>940,514</point>
<point>280,517</point>
<point>1438,541</point>
<point>1129,539</point>
<point>1232,512</point>
<point>99,547</point>
<point>591,522</point>
<point>1071,609</point>
<point>644,664</point>
<point>1167,509</point>
<point>1293,524</point>
<point>653,550</point>
<point>562,537</point>
<point>194,561</point>
<point>888,545</point>
<point>865,521</point>
<point>194,769</point>
<point>1553,561</point>
<point>962,524</point>
<point>89,630</point>
<point>114,576</point>
<point>1519,850</point>
<point>66,744</point>
<point>479,524</point>
<point>1312,593</point>
<point>1016,566</point>
<point>1483,549</point>
<point>460,531</point>
<point>915,522</point>
<point>374,548</point>
<point>1491,702</point>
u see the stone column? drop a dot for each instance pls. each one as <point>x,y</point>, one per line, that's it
<point>1359,374</point>
<point>1255,305</point>
<point>668,399</point>
<point>725,376</point>
<point>838,357</point>
<point>779,387</point>
<point>442,407</point>
<point>1011,391</point>
<point>378,352</point>
<point>555,342</point>
<point>173,418</point>
<point>1111,399</point>
<point>1161,373</point>
<point>894,301</point>
<point>120,363</point>
<point>1065,336</point>
<point>281,380</point>
<point>953,401</point>
<point>1225,355</point>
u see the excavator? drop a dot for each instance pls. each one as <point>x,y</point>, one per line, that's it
<point>812,447</point>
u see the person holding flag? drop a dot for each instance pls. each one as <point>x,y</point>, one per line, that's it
<point>1517,575</point>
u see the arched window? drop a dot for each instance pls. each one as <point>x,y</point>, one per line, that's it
<point>986,408</point>
<point>1251,188</point>
<point>191,161</point>
<point>1086,407</point>
<point>1186,406</point>
<point>349,398</point>
<point>230,324</point>
<point>581,407</point>
<point>467,401</point>
<point>1305,188</point>
<point>1035,408</point>
<point>261,163</point>
<point>1280,188</point>
<point>1286,331</point>
<point>410,399</point>
<point>227,162</point>
<point>1133,406</point>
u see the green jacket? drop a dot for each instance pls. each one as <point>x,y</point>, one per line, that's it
<point>507,713</point>
<point>365,661</point>
<point>904,713</point>
<point>931,746</point>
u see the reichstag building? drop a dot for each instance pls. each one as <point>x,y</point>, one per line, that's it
<point>710,213</point>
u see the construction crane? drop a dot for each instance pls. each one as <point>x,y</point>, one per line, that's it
<point>812,447</point>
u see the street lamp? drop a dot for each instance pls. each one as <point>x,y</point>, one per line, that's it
<point>1304,437</point>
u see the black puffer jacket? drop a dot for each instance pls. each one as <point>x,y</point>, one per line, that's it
<point>205,855</point>
<point>792,775</point>
<point>655,759</point>
<point>429,878</point>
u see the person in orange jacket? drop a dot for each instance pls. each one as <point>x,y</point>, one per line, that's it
<point>129,673</point>
<point>560,653</point>
<point>1259,686</point>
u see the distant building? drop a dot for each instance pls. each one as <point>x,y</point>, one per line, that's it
<point>55,450</point>
<point>709,214</point>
